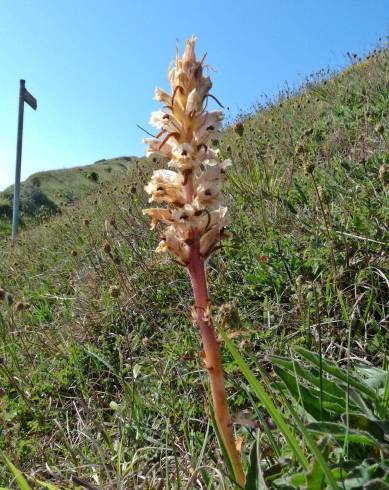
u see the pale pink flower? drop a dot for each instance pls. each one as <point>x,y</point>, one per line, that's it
<point>166,186</point>
<point>154,147</point>
<point>175,243</point>
<point>157,215</point>
<point>162,96</point>
<point>186,131</point>
<point>197,96</point>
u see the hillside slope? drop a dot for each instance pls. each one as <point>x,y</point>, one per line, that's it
<point>44,192</point>
<point>102,381</point>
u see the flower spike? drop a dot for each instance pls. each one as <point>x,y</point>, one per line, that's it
<point>194,219</point>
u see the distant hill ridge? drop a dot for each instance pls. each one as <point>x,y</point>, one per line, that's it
<point>44,192</point>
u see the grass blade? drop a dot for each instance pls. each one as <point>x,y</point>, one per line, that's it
<point>332,368</point>
<point>19,478</point>
<point>266,401</point>
<point>313,447</point>
<point>226,457</point>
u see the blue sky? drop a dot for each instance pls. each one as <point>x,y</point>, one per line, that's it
<point>93,64</point>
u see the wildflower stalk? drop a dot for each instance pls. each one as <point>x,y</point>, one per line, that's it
<point>211,350</point>
<point>212,357</point>
<point>195,221</point>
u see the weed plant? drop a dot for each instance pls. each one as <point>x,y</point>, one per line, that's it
<point>101,382</point>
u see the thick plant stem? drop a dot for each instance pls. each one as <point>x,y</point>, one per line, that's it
<point>212,358</point>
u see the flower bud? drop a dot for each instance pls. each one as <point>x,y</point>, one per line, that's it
<point>309,167</point>
<point>379,128</point>
<point>107,248</point>
<point>239,128</point>
<point>114,291</point>
<point>20,306</point>
<point>383,174</point>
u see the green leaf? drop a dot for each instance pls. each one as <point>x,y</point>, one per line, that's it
<point>315,450</point>
<point>46,486</point>
<point>311,403</point>
<point>100,358</point>
<point>331,388</point>
<point>272,440</point>
<point>136,370</point>
<point>266,401</point>
<point>368,475</point>
<point>339,432</point>
<point>252,472</point>
<point>376,484</point>
<point>332,368</point>
<point>333,395</point>
<point>295,481</point>
<point>315,478</point>
<point>362,423</point>
<point>254,476</point>
<point>334,407</point>
<point>385,398</point>
<point>19,478</point>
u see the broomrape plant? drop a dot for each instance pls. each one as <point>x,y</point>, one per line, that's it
<point>194,219</point>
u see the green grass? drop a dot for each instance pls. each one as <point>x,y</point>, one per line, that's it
<point>99,360</point>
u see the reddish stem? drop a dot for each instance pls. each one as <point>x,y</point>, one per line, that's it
<point>212,357</point>
<point>188,188</point>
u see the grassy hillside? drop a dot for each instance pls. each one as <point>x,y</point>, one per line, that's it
<point>102,384</point>
<point>43,193</point>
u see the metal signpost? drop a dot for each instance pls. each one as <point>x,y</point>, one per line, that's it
<point>24,96</point>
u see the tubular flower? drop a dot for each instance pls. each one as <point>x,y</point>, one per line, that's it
<point>166,186</point>
<point>192,192</point>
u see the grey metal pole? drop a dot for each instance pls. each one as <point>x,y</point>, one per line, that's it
<point>15,216</point>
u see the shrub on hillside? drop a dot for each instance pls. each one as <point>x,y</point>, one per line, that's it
<point>93,176</point>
